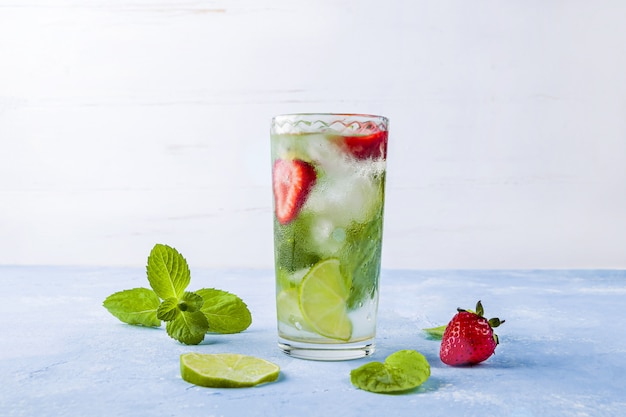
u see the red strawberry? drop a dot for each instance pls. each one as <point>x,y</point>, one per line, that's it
<point>373,145</point>
<point>292,181</point>
<point>469,338</point>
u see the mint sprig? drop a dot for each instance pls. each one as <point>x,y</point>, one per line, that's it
<point>189,316</point>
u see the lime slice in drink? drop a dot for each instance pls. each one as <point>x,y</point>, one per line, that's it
<point>323,295</point>
<point>289,310</point>
<point>226,370</point>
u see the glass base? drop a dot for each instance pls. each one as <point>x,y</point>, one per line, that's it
<point>327,352</point>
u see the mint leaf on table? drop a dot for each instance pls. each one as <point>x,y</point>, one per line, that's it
<point>225,312</point>
<point>189,315</point>
<point>136,306</point>
<point>168,272</point>
<point>189,327</point>
<point>401,371</point>
<point>435,333</point>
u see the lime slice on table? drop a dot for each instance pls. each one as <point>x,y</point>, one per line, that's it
<point>323,295</point>
<point>226,370</point>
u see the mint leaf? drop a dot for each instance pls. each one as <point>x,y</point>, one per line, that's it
<point>188,327</point>
<point>435,333</point>
<point>168,272</point>
<point>293,244</point>
<point>360,259</point>
<point>225,312</point>
<point>190,301</point>
<point>377,377</point>
<point>413,364</point>
<point>401,371</point>
<point>168,310</point>
<point>136,306</point>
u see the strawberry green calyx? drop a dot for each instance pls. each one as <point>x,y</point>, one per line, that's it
<point>480,311</point>
<point>495,322</point>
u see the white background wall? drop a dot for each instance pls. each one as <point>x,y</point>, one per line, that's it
<point>127,123</point>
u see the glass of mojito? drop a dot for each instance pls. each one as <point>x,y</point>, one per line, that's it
<point>328,178</point>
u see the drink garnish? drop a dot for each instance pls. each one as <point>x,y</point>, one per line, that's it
<point>323,295</point>
<point>373,145</point>
<point>292,181</point>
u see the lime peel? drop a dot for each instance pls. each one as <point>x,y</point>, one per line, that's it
<point>401,371</point>
<point>226,370</point>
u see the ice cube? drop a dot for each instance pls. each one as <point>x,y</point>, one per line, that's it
<point>352,198</point>
<point>327,238</point>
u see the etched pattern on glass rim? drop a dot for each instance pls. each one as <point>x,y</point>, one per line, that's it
<point>341,124</point>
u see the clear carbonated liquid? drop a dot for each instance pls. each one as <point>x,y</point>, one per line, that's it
<point>340,218</point>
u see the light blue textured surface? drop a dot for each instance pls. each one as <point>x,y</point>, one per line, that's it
<point>562,351</point>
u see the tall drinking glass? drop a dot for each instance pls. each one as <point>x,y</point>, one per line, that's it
<point>328,177</point>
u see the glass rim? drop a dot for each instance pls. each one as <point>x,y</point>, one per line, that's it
<point>330,114</point>
<point>339,123</point>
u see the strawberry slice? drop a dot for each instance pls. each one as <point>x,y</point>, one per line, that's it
<point>292,181</point>
<point>373,145</point>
